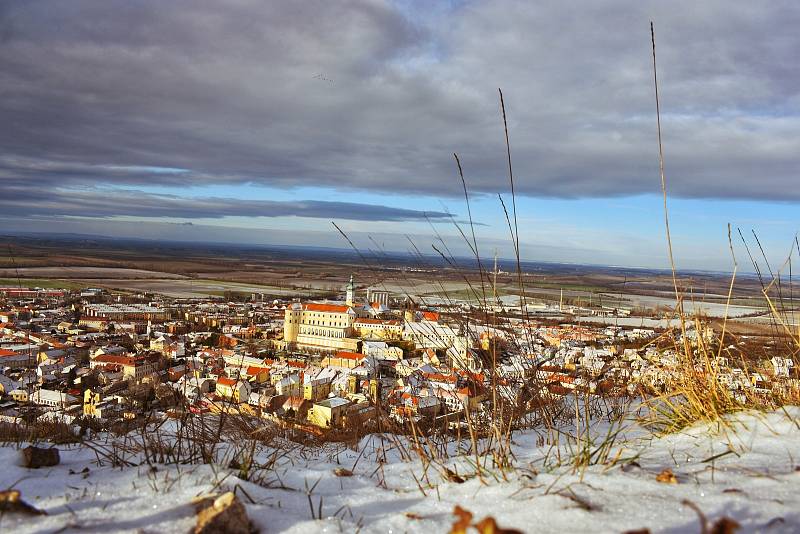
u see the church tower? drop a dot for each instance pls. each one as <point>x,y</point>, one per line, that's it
<point>351,292</point>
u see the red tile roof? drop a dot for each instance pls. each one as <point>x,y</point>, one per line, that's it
<point>293,402</point>
<point>377,321</point>
<point>430,316</point>
<point>478,377</point>
<point>330,308</point>
<point>225,381</point>
<point>436,377</point>
<point>349,355</point>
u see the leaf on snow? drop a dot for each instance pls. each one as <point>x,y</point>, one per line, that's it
<point>488,525</point>
<point>667,477</point>
<point>462,522</point>
<point>11,502</point>
<point>452,476</point>
<point>724,525</point>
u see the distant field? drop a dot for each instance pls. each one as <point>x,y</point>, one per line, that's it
<point>196,270</point>
<point>85,272</point>
<point>41,282</point>
<point>191,288</point>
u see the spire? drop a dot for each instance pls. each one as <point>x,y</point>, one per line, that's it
<point>351,291</point>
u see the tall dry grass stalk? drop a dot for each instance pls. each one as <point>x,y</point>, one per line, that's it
<point>698,386</point>
<point>484,432</point>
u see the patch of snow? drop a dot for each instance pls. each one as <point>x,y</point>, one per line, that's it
<point>750,475</point>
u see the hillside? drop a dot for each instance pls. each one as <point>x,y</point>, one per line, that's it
<point>749,473</point>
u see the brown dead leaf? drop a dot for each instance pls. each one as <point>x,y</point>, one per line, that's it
<point>724,525</point>
<point>462,522</point>
<point>488,525</point>
<point>452,476</point>
<point>413,515</point>
<point>11,502</point>
<point>667,477</point>
<point>342,472</point>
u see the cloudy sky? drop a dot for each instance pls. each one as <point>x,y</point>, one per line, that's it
<point>262,122</point>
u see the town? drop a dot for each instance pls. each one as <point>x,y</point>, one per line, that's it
<point>319,366</point>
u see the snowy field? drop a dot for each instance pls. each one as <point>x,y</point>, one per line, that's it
<point>750,475</point>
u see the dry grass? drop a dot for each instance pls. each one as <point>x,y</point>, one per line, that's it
<point>39,431</point>
<point>696,388</point>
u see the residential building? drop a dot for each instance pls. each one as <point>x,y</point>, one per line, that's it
<point>329,412</point>
<point>53,399</point>
<point>233,389</point>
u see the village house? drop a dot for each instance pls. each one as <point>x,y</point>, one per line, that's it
<point>94,406</point>
<point>233,389</point>
<point>133,367</point>
<point>409,404</point>
<point>14,359</point>
<point>328,413</point>
<point>52,399</point>
<point>344,359</point>
<point>289,386</point>
<point>257,374</point>
<point>296,407</point>
<point>95,323</point>
<point>781,366</point>
<point>378,329</point>
<point>318,385</point>
<point>382,350</point>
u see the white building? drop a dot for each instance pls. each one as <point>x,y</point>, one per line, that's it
<point>382,350</point>
<point>54,399</point>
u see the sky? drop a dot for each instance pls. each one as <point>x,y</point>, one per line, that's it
<point>265,121</point>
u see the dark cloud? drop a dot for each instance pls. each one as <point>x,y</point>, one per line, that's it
<point>23,201</point>
<point>361,94</point>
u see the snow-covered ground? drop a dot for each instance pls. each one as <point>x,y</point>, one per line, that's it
<point>750,475</point>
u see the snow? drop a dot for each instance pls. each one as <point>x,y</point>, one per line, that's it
<point>757,484</point>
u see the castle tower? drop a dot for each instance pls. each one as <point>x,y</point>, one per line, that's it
<point>410,312</point>
<point>375,390</point>
<point>352,384</point>
<point>291,322</point>
<point>351,292</point>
